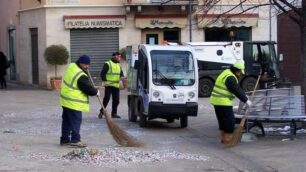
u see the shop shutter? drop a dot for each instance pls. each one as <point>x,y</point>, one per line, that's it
<point>99,44</point>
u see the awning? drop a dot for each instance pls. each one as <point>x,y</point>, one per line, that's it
<point>161,21</point>
<point>94,21</point>
<point>228,20</point>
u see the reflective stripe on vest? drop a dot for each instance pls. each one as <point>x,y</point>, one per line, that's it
<point>71,96</point>
<point>220,94</point>
<point>113,74</point>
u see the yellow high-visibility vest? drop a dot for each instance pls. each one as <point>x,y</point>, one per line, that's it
<point>221,95</point>
<point>113,74</point>
<point>71,96</point>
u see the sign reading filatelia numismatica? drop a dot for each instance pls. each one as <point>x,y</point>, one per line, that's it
<point>94,23</point>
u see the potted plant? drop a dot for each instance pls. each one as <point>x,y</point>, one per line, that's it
<point>56,55</point>
<point>122,52</point>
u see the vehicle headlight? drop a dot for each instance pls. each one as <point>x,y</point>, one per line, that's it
<point>191,94</point>
<point>156,94</point>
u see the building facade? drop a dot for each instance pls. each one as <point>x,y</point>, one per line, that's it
<point>289,44</point>
<point>9,34</point>
<point>99,27</point>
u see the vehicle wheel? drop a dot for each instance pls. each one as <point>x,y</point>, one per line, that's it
<point>184,121</point>
<point>248,84</point>
<point>205,87</point>
<point>170,120</point>
<point>131,113</point>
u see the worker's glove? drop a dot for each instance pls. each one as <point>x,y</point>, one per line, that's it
<point>98,93</point>
<point>103,84</point>
<point>249,103</point>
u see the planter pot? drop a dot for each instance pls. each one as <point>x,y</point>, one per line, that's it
<point>55,83</point>
<point>125,82</point>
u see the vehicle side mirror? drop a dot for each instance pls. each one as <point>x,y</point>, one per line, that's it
<point>136,64</point>
<point>281,58</point>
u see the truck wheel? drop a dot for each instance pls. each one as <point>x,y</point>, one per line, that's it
<point>184,121</point>
<point>142,120</point>
<point>205,87</point>
<point>131,113</point>
<point>170,120</point>
<point>248,84</point>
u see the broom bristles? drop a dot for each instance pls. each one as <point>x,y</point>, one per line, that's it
<point>119,135</point>
<point>236,137</point>
<point>238,131</point>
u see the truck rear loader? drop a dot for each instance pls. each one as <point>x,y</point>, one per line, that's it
<point>214,57</point>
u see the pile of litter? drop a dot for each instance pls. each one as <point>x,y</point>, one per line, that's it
<point>282,130</point>
<point>119,156</point>
<point>285,130</point>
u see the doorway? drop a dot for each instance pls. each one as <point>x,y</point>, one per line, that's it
<point>152,39</point>
<point>158,36</point>
<point>34,52</point>
<point>12,52</point>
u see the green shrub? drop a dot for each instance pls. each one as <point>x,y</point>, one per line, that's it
<point>123,53</point>
<point>56,55</point>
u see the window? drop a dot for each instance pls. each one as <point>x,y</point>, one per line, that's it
<point>173,68</point>
<point>228,34</point>
<point>171,36</point>
<point>143,70</point>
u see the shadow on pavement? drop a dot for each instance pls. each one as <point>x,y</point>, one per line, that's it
<point>18,86</point>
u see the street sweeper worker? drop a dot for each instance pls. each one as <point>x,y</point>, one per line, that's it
<point>222,97</point>
<point>75,89</point>
<point>111,74</point>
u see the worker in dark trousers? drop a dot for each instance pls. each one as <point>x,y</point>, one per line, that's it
<point>75,90</point>
<point>222,97</point>
<point>111,74</point>
<point>4,64</point>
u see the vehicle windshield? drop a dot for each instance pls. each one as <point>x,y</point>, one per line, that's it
<point>172,68</point>
<point>264,53</point>
<point>269,56</point>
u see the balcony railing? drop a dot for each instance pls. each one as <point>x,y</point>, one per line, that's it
<point>62,2</point>
<point>158,2</point>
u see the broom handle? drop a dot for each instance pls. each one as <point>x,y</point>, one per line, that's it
<point>247,110</point>
<point>92,83</point>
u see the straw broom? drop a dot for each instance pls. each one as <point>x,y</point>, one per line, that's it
<point>238,131</point>
<point>119,135</point>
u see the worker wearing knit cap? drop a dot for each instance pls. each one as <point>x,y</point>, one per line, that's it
<point>74,100</point>
<point>84,59</point>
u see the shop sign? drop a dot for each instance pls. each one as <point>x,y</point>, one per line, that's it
<point>94,23</point>
<point>250,20</point>
<point>155,22</point>
<point>161,23</point>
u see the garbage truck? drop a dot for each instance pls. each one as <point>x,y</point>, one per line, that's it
<point>162,83</point>
<point>258,56</point>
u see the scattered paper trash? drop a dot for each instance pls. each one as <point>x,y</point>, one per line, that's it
<point>285,139</point>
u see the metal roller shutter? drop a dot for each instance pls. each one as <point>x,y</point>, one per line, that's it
<point>99,44</point>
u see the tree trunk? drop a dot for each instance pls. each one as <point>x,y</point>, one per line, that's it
<point>303,44</point>
<point>55,71</point>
